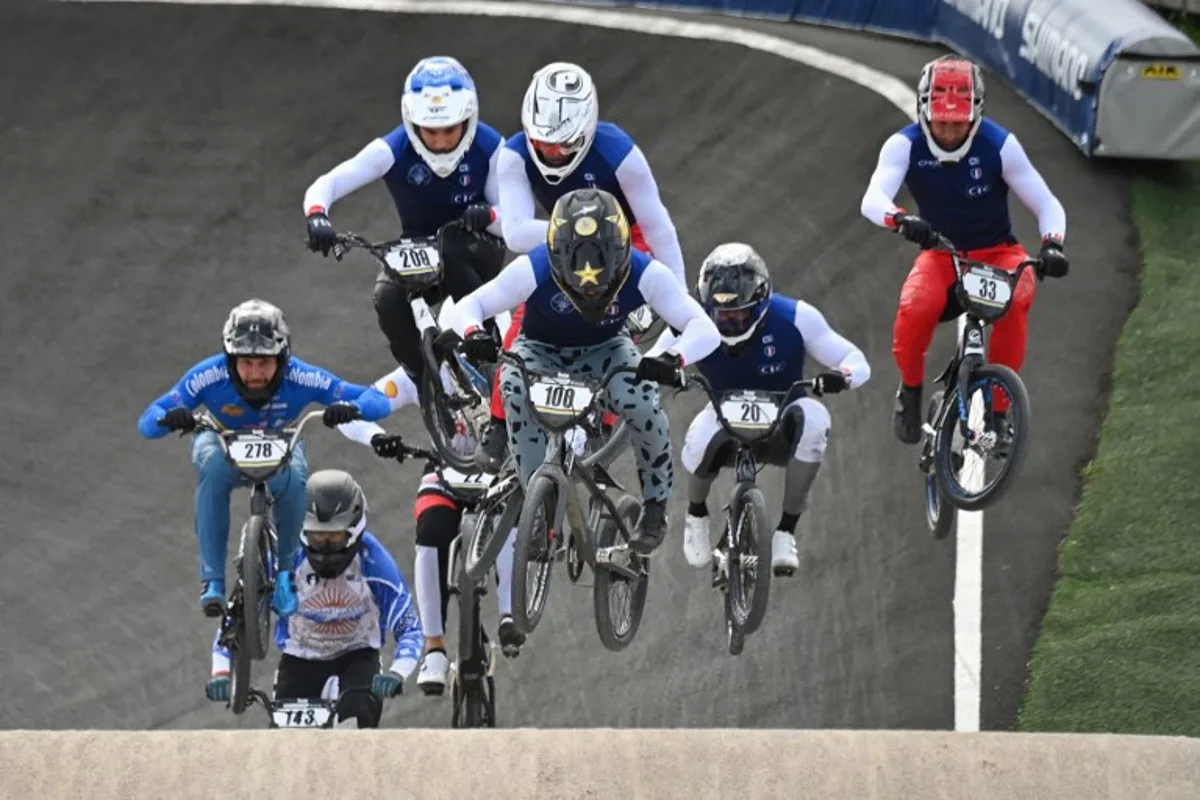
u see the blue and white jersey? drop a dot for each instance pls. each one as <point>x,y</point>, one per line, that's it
<point>423,200</point>
<point>614,164</point>
<point>355,610</point>
<point>551,318</point>
<point>967,200</point>
<point>208,383</point>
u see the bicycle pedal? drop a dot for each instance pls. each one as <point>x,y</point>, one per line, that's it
<point>510,651</point>
<point>432,689</point>
<point>783,572</point>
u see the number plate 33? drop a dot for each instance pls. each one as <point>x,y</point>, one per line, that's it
<point>986,286</point>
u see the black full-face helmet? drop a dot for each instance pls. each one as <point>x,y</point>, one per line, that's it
<point>589,245</point>
<point>334,521</point>
<point>734,288</point>
<point>256,328</point>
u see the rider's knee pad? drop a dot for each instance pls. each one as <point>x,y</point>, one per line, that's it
<point>366,707</point>
<point>791,427</point>
<point>437,523</point>
<point>718,454</point>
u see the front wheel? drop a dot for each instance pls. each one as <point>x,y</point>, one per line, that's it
<point>239,689</point>
<point>617,602</point>
<point>452,429</point>
<point>973,476</point>
<point>536,548</point>
<point>749,551</point>
<point>939,514</point>
<point>490,535</point>
<point>256,589</point>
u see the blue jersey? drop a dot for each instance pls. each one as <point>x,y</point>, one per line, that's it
<point>966,201</point>
<point>771,360</point>
<point>551,318</point>
<point>598,170</point>
<point>208,384</point>
<point>355,610</point>
<point>425,201</point>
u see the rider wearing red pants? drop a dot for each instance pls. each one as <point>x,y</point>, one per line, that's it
<point>958,166</point>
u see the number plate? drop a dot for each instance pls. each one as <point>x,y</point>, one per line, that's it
<point>252,450</point>
<point>749,412</point>
<point>559,396</point>
<point>986,286</point>
<point>413,258</point>
<point>300,715</point>
<point>460,480</point>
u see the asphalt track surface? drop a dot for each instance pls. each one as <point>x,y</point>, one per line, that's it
<point>155,159</point>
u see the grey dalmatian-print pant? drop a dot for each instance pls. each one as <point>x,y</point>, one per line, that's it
<point>637,402</point>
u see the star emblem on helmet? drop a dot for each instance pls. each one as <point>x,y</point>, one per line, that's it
<point>588,274</point>
<point>585,226</point>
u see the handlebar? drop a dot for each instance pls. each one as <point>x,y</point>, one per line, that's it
<point>788,395</point>
<point>206,423</point>
<point>519,362</point>
<point>961,261</point>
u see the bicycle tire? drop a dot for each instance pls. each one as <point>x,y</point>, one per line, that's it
<point>937,507</point>
<point>239,679</point>
<point>603,581</point>
<point>1018,400</point>
<point>256,585</point>
<point>433,411</point>
<point>482,553</point>
<point>543,494</point>
<point>470,641</point>
<point>750,616</point>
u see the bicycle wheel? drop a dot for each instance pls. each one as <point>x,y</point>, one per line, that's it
<point>960,466</point>
<point>749,558</point>
<point>535,550</point>
<point>617,628</point>
<point>938,511</point>
<point>470,699</point>
<point>256,589</point>
<point>239,679</point>
<point>446,425</point>
<point>490,534</point>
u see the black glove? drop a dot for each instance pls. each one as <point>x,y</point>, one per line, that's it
<point>480,347</point>
<point>386,446</point>
<point>321,235</point>
<point>916,230</point>
<point>477,217</point>
<point>830,383</point>
<point>1054,260</point>
<point>660,369</point>
<point>446,343</point>
<point>339,414</point>
<point>178,419</point>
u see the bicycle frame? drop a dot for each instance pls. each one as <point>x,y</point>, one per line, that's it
<point>561,466</point>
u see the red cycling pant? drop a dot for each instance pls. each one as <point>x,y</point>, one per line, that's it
<point>923,304</point>
<point>510,336</point>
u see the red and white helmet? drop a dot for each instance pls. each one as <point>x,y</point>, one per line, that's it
<point>950,90</point>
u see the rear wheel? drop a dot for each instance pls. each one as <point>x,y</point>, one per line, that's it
<point>490,535</point>
<point>618,602</point>
<point>533,560</point>
<point>749,558</point>
<point>239,689</point>
<point>256,589</point>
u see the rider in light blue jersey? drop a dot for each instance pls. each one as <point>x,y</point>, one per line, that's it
<point>255,383</point>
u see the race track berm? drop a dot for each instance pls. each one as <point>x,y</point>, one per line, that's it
<point>155,159</point>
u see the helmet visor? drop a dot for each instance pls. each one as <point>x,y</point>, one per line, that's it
<point>734,321</point>
<point>556,154</point>
<point>253,336</point>
<point>951,94</point>
<point>327,542</point>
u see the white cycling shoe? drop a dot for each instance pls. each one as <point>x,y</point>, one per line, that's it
<point>784,558</point>
<point>697,546</point>
<point>432,677</point>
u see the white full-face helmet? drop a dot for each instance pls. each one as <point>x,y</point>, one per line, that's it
<point>559,116</point>
<point>440,93</point>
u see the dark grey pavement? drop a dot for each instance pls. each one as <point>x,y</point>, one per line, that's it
<point>154,163</point>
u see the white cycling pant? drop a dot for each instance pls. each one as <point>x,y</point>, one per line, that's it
<point>810,448</point>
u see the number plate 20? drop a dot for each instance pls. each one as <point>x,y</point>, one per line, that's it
<point>749,412</point>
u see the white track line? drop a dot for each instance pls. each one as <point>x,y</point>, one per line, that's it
<point>969,527</point>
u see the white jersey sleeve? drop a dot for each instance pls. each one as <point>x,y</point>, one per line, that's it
<point>698,335</point>
<point>510,288</point>
<point>641,193</point>
<point>879,200</point>
<point>522,231</point>
<point>400,391</point>
<point>491,191</point>
<point>830,348</point>
<point>1027,184</point>
<point>370,164</point>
